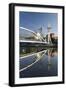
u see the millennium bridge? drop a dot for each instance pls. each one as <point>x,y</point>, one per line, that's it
<point>34,39</point>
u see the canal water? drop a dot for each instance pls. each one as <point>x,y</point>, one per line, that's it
<point>34,62</point>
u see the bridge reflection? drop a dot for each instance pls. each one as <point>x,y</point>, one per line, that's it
<point>37,57</point>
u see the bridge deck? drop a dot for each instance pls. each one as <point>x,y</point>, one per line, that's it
<point>33,41</point>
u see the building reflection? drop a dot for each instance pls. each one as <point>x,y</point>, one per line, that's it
<point>51,53</point>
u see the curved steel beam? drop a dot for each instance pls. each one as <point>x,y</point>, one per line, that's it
<point>31,32</point>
